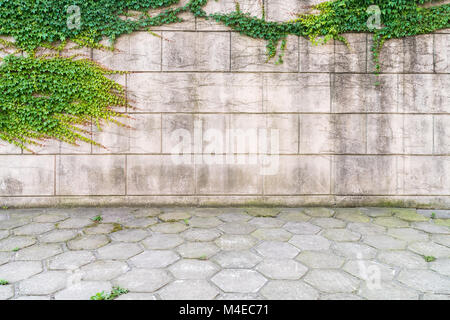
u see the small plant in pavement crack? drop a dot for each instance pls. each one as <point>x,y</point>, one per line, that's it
<point>115,292</point>
<point>429,258</point>
<point>3,282</point>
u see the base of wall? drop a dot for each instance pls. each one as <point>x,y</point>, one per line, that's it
<point>422,202</point>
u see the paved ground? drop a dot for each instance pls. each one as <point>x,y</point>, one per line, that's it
<point>314,253</point>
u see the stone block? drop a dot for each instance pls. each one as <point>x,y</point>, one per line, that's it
<point>365,175</point>
<point>26,175</point>
<point>155,175</point>
<point>296,92</point>
<point>192,51</point>
<point>90,175</point>
<point>359,93</point>
<point>352,58</point>
<point>139,51</point>
<point>199,92</point>
<point>442,134</point>
<point>249,54</point>
<point>316,57</point>
<point>442,53</point>
<point>300,175</point>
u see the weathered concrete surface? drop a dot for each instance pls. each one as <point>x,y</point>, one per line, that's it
<point>228,253</point>
<point>342,139</point>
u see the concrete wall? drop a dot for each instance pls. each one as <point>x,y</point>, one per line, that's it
<point>343,140</point>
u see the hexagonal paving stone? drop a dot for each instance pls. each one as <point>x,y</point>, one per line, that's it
<point>19,270</point>
<point>366,228</point>
<point>239,296</point>
<point>301,228</point>
<point>237,259</point>
<point>391,222</point>
<point>71,260</point>
<point>341,235</point>
<point>51,217</point>
<point>384,242</point>
<point>340,296</point>
<point>201,235</point>
<point>119,251</point>
<point>387,291</point>
<point>430,228</point>
<point>237,228</point>
<point>234,217</point>
<point>39,252</point>
<point>155,259</point>
<point>129,235</point>
<point>75,223</point>
<point>320,259</point>
<point>442,222</point>
<point>18,242</point>
<point>4,234</point>
<point>146,212</point>
<point>83,290</point>
<point>137,296</point>
<point>409,215</point>
<point>162,241</point>
<point>103,270</point>
<point>197,250</point>
<point>272,234</point>
<point>282,269</point>
<point>368,270</point>
<point>331,281</point>
<point>169,227</point>
<point>402,259</point>
<point>319,212</point>
<point>377,212</point>
<point>354,250</point>
<point>239,280</point>
<point>289,290</point>
<point>44,283</point>
<point>6,292</point>
<point>263,212</point>
<point>277,250</point>
<point>407,234</point>
<point>430,296</point>
<point>89,242</point>
<point>310,242</point>
<point>193,269</point>
<point>189,290</point>
<point>425,280</point>
<point>12,223</point>
<point>139,222</point>
<point>266,222</point>
<point>174,216</point>
<point>441,239</point>
<point>430,249</point>
<point>235,242</point>
<point>58,236</point>
<point>351,215</point>
<point>100,228</point>
<point>327,223</point>
<point>209,212</point>
<point>143,280</point>
<point>441,266</point>
<point>295,216</point>
<point>204,222</point>
<point>5,257</point>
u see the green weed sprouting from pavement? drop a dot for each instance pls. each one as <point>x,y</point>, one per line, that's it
<point>3,282</point>
<point>49,97</point>
<point>429,258</point>
<point>97,219</point>
<point>115,293</point>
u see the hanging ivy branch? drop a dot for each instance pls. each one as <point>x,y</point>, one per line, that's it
<point>52,97</point>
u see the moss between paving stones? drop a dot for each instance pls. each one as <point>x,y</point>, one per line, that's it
<point>409,215</point>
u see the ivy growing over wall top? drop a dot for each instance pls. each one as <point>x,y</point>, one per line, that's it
<point>51,97</point>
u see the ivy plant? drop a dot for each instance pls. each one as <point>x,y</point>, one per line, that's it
<point>53,97</point>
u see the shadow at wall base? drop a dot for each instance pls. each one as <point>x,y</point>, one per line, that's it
<point>419,202</point>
